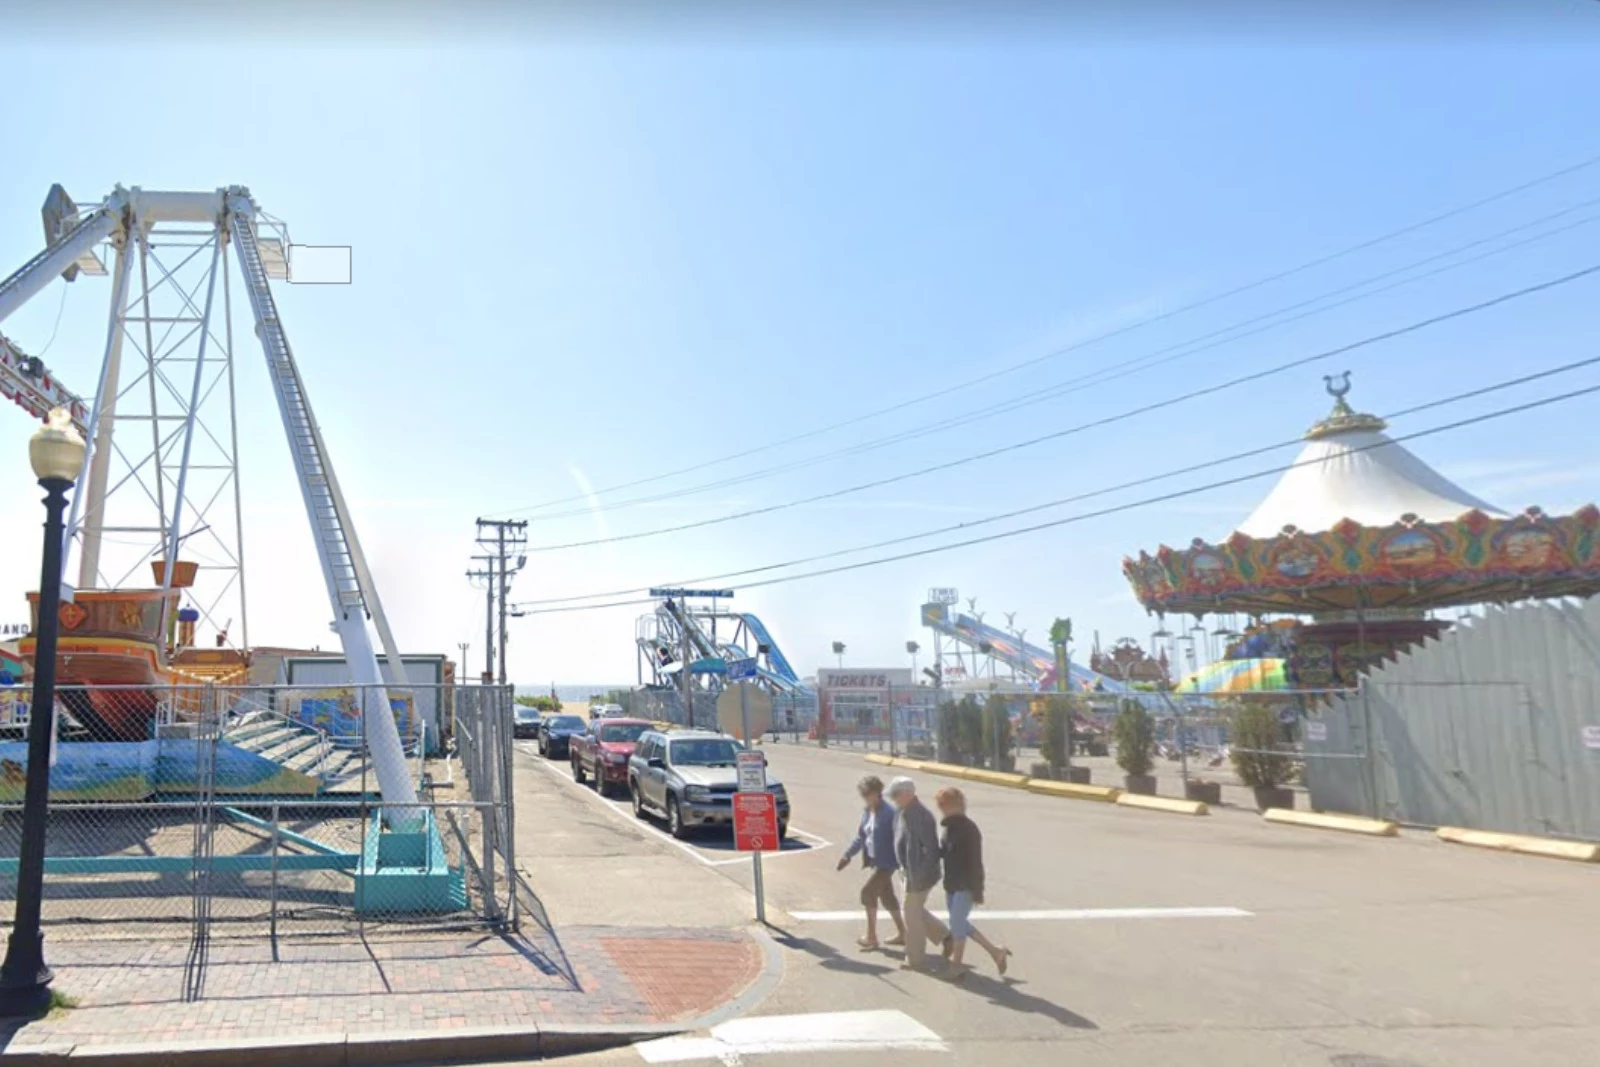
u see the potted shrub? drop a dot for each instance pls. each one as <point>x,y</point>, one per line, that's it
<point>1055,733</point>
<point>969,715</point>
<point>997,734</point>
<point>1135,735</point>
<point>1258,757</point>
<point>949,732</point>
<point>1041,770</point>
<point>1204,790</point>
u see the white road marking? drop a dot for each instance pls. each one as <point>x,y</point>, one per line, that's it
<point>1051,914</point>
<point>562,773</point>
<point>843,1031</point>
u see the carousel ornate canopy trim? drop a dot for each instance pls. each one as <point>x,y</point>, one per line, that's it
<point>1360,524</point>
<point>1411,564</point>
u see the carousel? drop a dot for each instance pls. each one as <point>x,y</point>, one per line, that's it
<point>1361,543</point>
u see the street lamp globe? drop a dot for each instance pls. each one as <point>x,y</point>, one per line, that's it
<point>56,450</point>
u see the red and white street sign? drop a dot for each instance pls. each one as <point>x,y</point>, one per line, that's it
<point>755,822</point>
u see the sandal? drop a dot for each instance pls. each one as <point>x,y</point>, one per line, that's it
<point>947,946</point>
<point>866,944</point>
<point>897,941</point>
<point>1000,964</point>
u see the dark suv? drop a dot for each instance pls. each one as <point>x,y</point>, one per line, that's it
<point>690,776</point>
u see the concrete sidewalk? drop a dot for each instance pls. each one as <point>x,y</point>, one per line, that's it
<point>388,1000</point>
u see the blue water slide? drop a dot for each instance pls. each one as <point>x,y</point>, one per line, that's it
<point>775,657</point>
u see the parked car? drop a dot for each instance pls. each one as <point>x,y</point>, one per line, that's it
<point>556,734</point>
<point>603,752</point>
<point>690,776</point>
<point>525,722</point>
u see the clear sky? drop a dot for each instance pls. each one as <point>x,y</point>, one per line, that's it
<point>582,260</point>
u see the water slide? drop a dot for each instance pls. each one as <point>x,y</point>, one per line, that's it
<point>1037,663</point>
<point>775,658</point>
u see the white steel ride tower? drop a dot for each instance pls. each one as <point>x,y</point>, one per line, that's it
<point>161,473</point>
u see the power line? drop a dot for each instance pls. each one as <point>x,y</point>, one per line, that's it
<point>1092,424</point>
<point>1102,512</point>
<point>1470,394</point>
<point>1138,364</point>
<point>1076,346</point>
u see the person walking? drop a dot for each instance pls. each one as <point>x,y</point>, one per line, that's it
<point>874,841</point>
<point>916,850</point>
<point>961,847</point>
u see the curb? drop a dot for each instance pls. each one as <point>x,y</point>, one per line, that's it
<point>1171,804</point>
<point>1105,794</point>
<point>1000,778</point>
<point>351,1050</point>
<point>1350,824</point>
<point>1579,851</point>
<point>878,757</point>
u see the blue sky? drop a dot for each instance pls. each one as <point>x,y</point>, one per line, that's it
<point>582,263</point>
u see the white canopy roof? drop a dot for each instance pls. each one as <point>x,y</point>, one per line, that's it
<point>1351,469</point>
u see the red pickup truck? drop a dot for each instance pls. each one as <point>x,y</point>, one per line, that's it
<point>603,752</point>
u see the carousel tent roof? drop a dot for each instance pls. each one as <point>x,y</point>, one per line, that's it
<point>1351,469</point>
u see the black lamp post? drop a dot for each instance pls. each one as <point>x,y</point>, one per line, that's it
<point>56,452</point>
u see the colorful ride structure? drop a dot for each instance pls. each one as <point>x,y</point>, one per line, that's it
<point>969,652</point>
<point>707,637</point>
<point>161,474</point>
<point>1363,541</point>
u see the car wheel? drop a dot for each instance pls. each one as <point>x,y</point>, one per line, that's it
<point>675,819</point>
<point>638,802</point>
<point>577,770</point>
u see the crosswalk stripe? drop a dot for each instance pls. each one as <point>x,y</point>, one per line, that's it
<point>840,1031</point>
<point>1052,914</point>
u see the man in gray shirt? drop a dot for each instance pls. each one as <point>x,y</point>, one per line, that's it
<point>916,847</point>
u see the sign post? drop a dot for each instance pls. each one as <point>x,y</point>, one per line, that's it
<point>753,801</point>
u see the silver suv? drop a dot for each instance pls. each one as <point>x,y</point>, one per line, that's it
<point>690,776</point>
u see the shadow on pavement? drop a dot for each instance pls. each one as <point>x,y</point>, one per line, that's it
<point>1004,992</point>
<point>829,957</point>
<point>538,942</point>
<point>723,842</point>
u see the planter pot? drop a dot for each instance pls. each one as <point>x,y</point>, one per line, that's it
<point>1041,770</point>
<point>1077,775</point>
<point>1273,796</point>
<point>1142,784</point>
<point>1098,748</point>
<point>1204,792</point>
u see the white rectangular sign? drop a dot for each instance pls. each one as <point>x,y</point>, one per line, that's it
<point>752,772</point>
<point>1591,737</point>
<point>864,677</point>
<point>1316,731</point>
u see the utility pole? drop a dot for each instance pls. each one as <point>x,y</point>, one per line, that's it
<point>484,579</point>
<point>505,537</point>
<point>463,646</point>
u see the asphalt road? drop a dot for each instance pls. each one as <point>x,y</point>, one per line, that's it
<point>1352,952</point>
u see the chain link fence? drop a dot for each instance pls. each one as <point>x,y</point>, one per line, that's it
<point>250,812</point>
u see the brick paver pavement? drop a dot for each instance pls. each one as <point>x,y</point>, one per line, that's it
<point>134,992</point>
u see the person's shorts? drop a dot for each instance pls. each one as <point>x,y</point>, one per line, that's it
<point>960,906</point>
<point>879,889</point>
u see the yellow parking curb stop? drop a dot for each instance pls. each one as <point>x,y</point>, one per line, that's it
<point>1105,794</point>
<point>1581,851</point>
<point>1350,824</point>
<point>1172,804</point>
